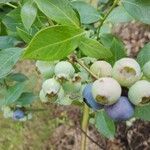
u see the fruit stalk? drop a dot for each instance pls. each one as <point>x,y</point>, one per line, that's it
<point>104,18</point>
<point>11,5</point>
<point>87,69</point>
<point>85,122</point>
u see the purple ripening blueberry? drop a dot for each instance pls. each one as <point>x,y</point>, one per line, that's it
<point>120,111</point>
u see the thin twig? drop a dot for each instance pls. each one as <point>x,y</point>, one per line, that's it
<point>95,142</point>
<point>86,68</point>
<point>11,5</point>
<point>106,15</point>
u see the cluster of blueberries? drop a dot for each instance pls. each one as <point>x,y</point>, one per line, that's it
<point>63,82</point>
<point>107,92</point>
<point>17,114</point>
<point>122,110</point>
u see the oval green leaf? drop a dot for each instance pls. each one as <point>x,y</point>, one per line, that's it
<point>8,58</point>
<point>54,43</point>
<point>105,125</point>
<point>144,55</point>
<point>143,112</point>
<point>28,14</point>
<point>59,10</point>
<point>139,9</point>
<point>88,14</point>
<point>94,49</point>
<point>14,93</point>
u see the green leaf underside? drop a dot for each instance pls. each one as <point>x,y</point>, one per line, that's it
<point>118,51</point>
<point>139,9</point>
<point>7,42</point>
<point>14,93</point>
<point>26,99</point>
<point>144,55</point>
<point>105,125</point>
<point>94,49</point>
<point>6,1</point>
<point>54,43</point>
<point>28,14</point>
<point>19,77</point>
<point>24,35</point>
<point>88,14</point>
<point>8,58</point>
<point>59,10</point>
<point>143,112</point>
<point>119,15</point>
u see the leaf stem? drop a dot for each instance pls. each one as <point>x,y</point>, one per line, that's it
<point>86,68</point>
<point>11,5</point>
<point>85,122</point>
<point>105,17</point>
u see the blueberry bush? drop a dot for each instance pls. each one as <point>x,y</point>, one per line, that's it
<point>81,62</point>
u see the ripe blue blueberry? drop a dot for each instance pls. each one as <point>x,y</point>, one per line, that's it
<point>126,71</point>
<point>18,114</point>
<point>106,91</point>
<point>88,98</point>
<point>120,111</point>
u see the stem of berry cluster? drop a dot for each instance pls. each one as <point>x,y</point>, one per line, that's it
<point>85,122</point>
<point>11,5</point>
<point>86,110</point>
<point>106,15</point>
<point>86,68</point>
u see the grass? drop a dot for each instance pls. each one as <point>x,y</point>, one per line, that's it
<point>30,135</point>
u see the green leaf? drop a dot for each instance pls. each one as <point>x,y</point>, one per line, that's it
<point>54,43</point>
<point>8,58</point>
<point>105,125</point>
<point>59,10</point>
<point>143,112</point>
<point>28,14</point>
<point>13,20</point>
<point>19,77</point>
<point>94,49</point>
<point>107,39</point>
<point>6,1</point>
<point>2,29</point>
<point>26,99</point>
<point>88,14</point>
<point>139,9</point>
<point>118,15</point>
<point>7,42</point>
<point>14,93</point>
<point>118,51</point>
<point>144,55</point>
<point>24,35</point>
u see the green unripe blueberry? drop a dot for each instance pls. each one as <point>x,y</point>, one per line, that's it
<point>146,70</point>
<point>7,112</point>
<point>106,91</point>
<point>126,71</point>
<point>64,70</point>
<point>46,68</point>
<point>101,69</point>
<point>43,96</point>
<point>139,93</point>
<point>51,87</point>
